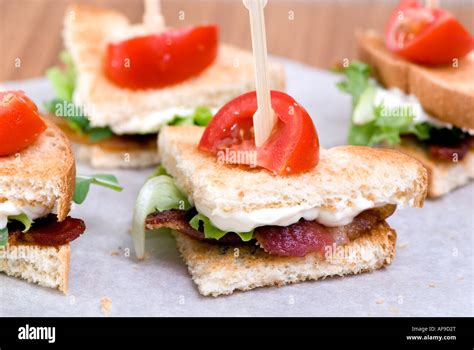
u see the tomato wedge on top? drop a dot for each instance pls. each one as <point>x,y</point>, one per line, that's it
<point>159,60</point>
<point>20,123</point>
<point>293,146</point>
<point>430,36</point>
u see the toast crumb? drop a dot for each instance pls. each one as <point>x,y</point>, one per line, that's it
<point>380,301</point>
<point>105,305</point>
<point>394,310</point>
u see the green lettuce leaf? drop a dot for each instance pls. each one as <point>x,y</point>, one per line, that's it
<point>99,134</point>
<point>386,127</point>
<point>23,219</point>
<point>159,170</point>
<point>210,231</point>
<point>63,78</point>
<point>79,123</point>
<point>83,184</point>
<point>356,80</point>
<point>3,237</point>
<point>421,130</point>
<point>201,117</point>
<point>159,193</point>
<point>373,124</point>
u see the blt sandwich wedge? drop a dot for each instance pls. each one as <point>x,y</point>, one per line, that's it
<point>37,187</point>
<point>422,101</point>
<point>284,212</point>
<point>126,81</point>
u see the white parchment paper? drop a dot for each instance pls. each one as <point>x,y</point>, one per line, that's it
<point>432,274</point>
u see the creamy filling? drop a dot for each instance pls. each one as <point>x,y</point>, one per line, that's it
<point>145,123</point>
<point>241,221</point>
<point>151,122</point>
<point>148,123</point>
<point>395,98</point>
<point>8,208</point>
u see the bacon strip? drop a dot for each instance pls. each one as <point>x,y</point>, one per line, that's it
<point>448,153</point>
<point>179,220</point>
<point>305,237</point>
<point>48,231</point>
<point>298,239</point>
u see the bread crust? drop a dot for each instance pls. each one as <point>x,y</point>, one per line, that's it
<point>220,270</point>
<point>445,92</point>
<point>46,169</point>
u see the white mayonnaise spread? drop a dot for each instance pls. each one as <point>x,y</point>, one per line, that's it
<point>148,123</point>
<point>135,124</point>
<point>246,221</point>
<point>8,208</point>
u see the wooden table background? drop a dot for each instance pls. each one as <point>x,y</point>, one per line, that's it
<point>314,32</point>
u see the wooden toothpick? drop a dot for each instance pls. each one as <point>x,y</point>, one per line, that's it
<point>264,119</point>
<point>431,3</point>
<point>152,17</point>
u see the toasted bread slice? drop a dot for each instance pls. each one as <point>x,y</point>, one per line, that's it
<point>43,174</point>
<point>88,30</point>
<point>446,92</point>
<point>219,270</point>
<point>345,177</point>
<point>443,177</point>
<point>46,266</point>
<point>103,158</point>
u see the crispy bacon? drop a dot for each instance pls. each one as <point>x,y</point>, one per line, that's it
<point>449,153</point>
<point>48,231</point>
<point>179,220</point>
<point>298,239</point>
<point>305,237</point>
<point>447,145</point>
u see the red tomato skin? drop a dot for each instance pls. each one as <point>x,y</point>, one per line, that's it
<point>159,60</point>
<point>443,40</point>
<point>20,123</point>
<point>293,146</point>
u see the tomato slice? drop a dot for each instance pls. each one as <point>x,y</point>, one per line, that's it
<point>20,123</point>
<point>430,36</point>
<point>159,60</point>
<point>292,148</point>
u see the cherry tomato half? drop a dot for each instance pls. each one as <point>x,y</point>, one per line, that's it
<point>292,148</point>
<point>20,123</point>
<point>159,60</point>
<point>430,36</point>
